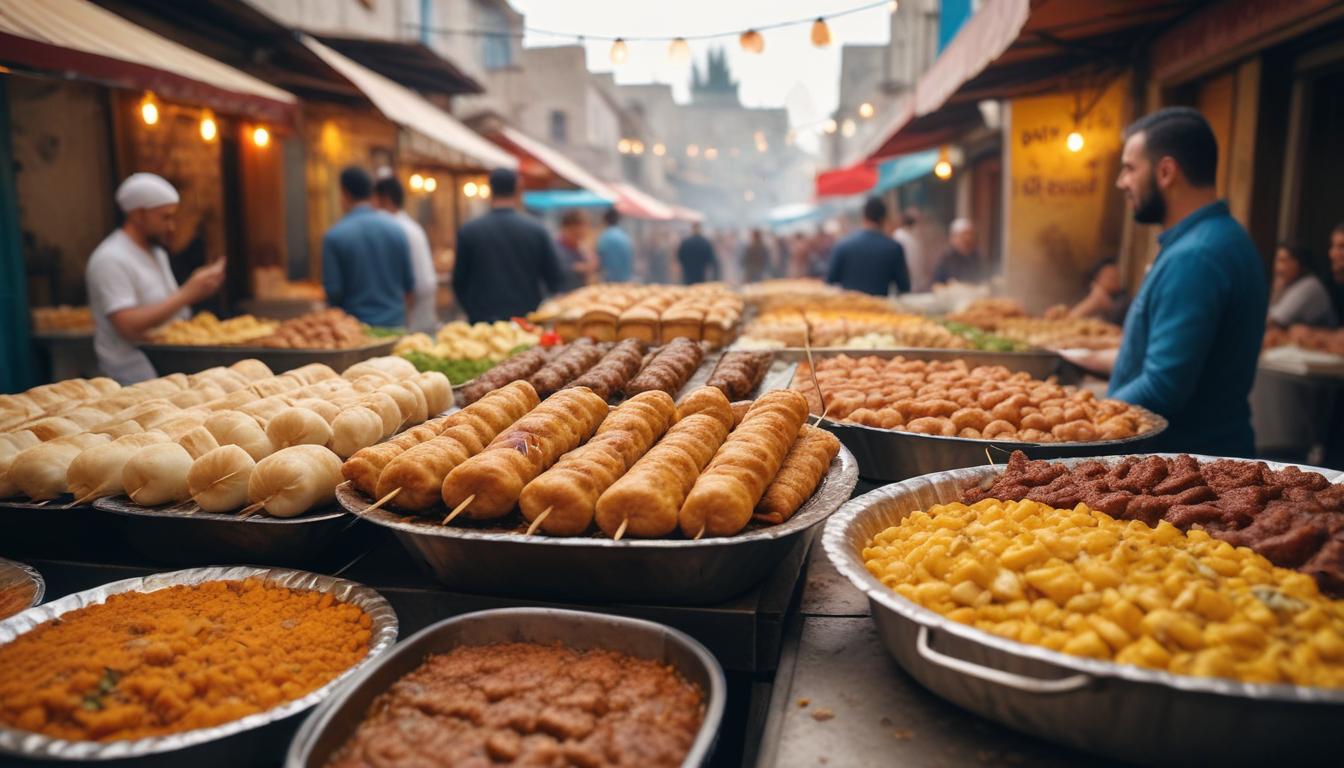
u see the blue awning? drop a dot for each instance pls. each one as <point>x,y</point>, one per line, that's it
<point>555,199</point>
<point>904,169</point>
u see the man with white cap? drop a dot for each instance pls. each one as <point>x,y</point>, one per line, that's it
<point>130,284</point>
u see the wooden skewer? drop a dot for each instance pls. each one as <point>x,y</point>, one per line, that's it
<point>621,530</point>
<point>251,509</point>
<point>82,500</point>
<point>459,509</point>
<point>987,456</point>
<point>698,535</point>
<point>812,371</point>
<point>44,502</point>
<point>531,529</point>
<point>392,494</point>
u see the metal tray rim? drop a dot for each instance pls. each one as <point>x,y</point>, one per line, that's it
<point>32,573</point>
<point>25,744</point>
<point>1159,422</point>
<point>849,563</point>
<point>129,509</point>
<point>388,342</point>
<point>824,501</point>
<point>715,698</point>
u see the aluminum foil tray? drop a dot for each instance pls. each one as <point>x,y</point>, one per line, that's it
<point>505,561</point>
<point>253,739</point>
<point>1120,711</point>
<point>328,727</point>
<point>14,572</point>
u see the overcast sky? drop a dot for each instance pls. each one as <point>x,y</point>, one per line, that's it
<point>790,73</point>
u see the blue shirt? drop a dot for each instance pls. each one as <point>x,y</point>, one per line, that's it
<point>617,254</point>
<point>869,261</point>
<point>1193,335</point>
<point>366,267</point>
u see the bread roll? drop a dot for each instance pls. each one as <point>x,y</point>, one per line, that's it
<point>39,472</point>
<point>234,428</point>
<point>157,474</point>
<point>298,426</point>
<point>198,442</point>
<point>355,428</point>
<point>294,480</point>
<point>97,472</point>
<point>218,480</point>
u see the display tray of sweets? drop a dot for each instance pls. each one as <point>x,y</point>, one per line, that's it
<point>654,314</point>
<point>904,416</point>
<point>1145,637</point>
<point>206,666</point>
<point>605,501</point>
<point>659,703</point>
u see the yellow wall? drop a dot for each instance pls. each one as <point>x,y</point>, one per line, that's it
<point>1062,212</point>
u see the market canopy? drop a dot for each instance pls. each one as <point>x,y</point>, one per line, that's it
<point>1016,48</point>
<point>843,182</point>
<point>533,151</point>
<point>410,63</point>
<point>897,171</point>
<point>413,112</point>
<point>75,36</point>
<point>561,199</point>
<point>638,204</point>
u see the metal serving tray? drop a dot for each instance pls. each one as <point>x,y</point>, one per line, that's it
<point>16,572</point>
<point>497,560</point>
<point>253,739</point>
<point>891,455</point>
<point>1117,710</point>
<point>183,534</point>
<point>331,724</point>
<point>186,358</point>
<point>1039,363</point>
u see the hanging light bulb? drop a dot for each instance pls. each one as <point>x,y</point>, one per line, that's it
<point>431,184</point>
<point>1074,141</point>
<point>149,109</point>
<point>893,6</point>
<point>470,189</point>
<point>417,182</point>
<point>209,129</point>
<point>848,128</point>
<point>692,150</point>
<point>260,136</point>
<point>679,51</point>
<point>637,147</point>
<point>821,34</point>
<point>752,41</point>
<point>620,52</point>
<point>711,153</point>
<point>830,125</point>
<point>866,110</point>
<point>484,191</point>
<point>623,146</point>
<point>660,149</point>
<point>943,168</point>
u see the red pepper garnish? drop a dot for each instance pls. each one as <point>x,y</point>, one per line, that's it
<point>523,323</point>
<point>550,339</point>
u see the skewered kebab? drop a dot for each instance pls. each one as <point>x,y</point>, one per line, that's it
<point>670,369</point>
<point>645,501</point>
<point>572,362</point>
<point>520,366</point>
<point>614,370</point>
<point>488,484</point>
<point>808,461</point>
<point>417,474</point>
<point>738,374</point>
<point>367,464</point>
<point>563,499</point>
<point>725,494</point>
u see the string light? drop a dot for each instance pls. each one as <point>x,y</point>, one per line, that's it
<point>209,129</point>
<point>260,136</point>
<point>848,128</point>
<point>943,168</point>
<point>623,146</point>
<point>692,150</point>
<point>470,189</point>
<point>417,182</point>
<point>149,110</point>
<point>660,149</point>
<point>866,110</point>
<point>830,125</point>
<point>821,34</point>
<point>431,184</point>
<point>485,191</point>
<point>1074,141</point>
<point>637,147</point>
<point>679,51</point>
<point>620,52</point>
<point>711,153</point>
<point>752,41</point>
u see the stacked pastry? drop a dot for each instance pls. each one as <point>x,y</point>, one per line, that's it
<point>646,468</point>
<point>650,313</point>
<point>224,438</point>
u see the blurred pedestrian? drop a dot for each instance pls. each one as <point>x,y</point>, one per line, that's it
<point>820,256</point>
<point>390,196</point>
<point>916,259</point>
<point>657,254</point>
<point>1106,298</point>
<point>868,260</point>
<point>130,282</point>
<point>504,258</point>
<point>615,250</point>
<point>577,262</point>
<point>696,257</point>
<point>755,258</point>
<point>799,253</point>
<point>962,261</point>
<point>1301,294</point>
<point>366,259</point>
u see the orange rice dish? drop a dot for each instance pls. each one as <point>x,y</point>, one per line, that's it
<point>177,659</point>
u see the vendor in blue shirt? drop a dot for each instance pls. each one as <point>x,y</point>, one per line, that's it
<point>869,260</point>
<point>366,259</point>
<point>1193,333</point>
<point>615,250</point>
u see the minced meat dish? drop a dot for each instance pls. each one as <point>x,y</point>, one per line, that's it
<point>1295,519</point>
<point>529,704</point>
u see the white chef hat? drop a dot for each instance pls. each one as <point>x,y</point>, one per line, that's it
<point>145,190</point>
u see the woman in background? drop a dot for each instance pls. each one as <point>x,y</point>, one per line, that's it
<point>1300,295</point>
